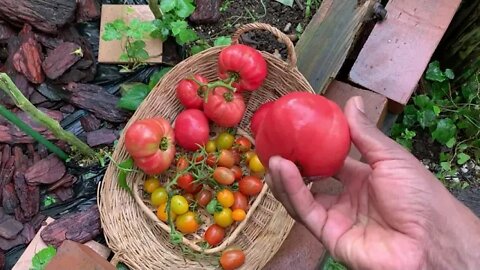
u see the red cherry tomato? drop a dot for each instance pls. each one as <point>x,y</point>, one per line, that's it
<point>224,107</point>
<point>258,117</point>
<point>224,176</point>
<point>237,157</point>
<point>182,164</point>
<point>250,185</point>
<point>226,159</point>
<point>214,235</point>
<point>151,143</point>
<point>240,201</point>
<point>307,129</point>
<point>237,171</point>
<point>190,93</point>
<point>186,183</point>
<point>232,259</point>
<point>243,144</point>
<point>204,197</point>
<point>246,63</point>
<point>191,129</point>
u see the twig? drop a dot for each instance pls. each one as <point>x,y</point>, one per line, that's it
<point>7,85</point>
<point>299,4</point>
<point>32,133</point>
<point>155,8</point>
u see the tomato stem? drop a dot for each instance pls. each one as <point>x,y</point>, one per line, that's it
<point>164,144</point>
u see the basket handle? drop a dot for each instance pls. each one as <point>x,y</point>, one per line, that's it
<point>291,55</point>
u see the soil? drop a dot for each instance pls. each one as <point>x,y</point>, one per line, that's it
<point>237,13</point>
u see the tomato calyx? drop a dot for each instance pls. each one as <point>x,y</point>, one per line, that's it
<point>164,144</point>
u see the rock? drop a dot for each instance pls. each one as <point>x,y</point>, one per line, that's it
<point>61,59</point>
<point>46,15</point>
<point>287,27</point>
<point>28,58</point>
<point>206,12</point>
<point>9,227</point>
<point>75,256</point>
<point>28,196</point>
<point>6,32</point>
<point>9,199</point>
<point>87,10</point>
<point>90,123</point>
<point>80,227</point>
<point>46,171</point>
<point>102,136</point>
<point>6,244</point>
<point>96,100</point>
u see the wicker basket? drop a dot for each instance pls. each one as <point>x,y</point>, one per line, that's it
<point>132,230</point>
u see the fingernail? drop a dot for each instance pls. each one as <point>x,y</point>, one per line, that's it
<point>272,163</point>
<point>359,104</point>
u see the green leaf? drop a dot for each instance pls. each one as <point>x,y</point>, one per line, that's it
<point>184,8</point>
<point>167,5</point>
<point>155,78</point>
<point>423,102</point>
<point>222,41</point>
<point>444,131</point>
<point>426,118</point>
<point>437,110</point>
<point>409,134</point>
<point>299,28</point>
<point>114,30</point>
<point>409,116</point>
<point>186,36</point>
<point>286,2</point>
<point>462,158</point>
<point>134,97</point>
<point>445,156</point>
<point>161,30</point>
<point>178,26</point>
<point>124,57</point>
<point>48,200</point>
<point>446,166</point>
<point>449,74</point>
<point>129,86</point>
<point>43,257</point>
<point>136,50</point>
<point>439,90</point>
<point>121,266</point>
<point>469,90</point>
<point>197,48</point>
<point>397,130</point>
<point>462,147</point>
<point>122,175</point>
<point>434,73</point>
<point>450,143</point>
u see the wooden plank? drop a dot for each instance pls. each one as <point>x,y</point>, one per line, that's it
<point>301,250</point>
<point>399,49</point>
<point>325,44</point>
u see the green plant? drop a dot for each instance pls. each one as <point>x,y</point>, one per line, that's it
<point>42,258</point>
<point>225,5</point>
<point>450,115</point>
<point>170,20</point>
<point>331,264</point>
<point>202,44</point>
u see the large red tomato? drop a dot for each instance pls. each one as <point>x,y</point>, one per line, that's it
<point>258,117</point>
<point>224,107</point>
<point>245,64</point>
<point>190,93</point>
<point>191,129</point>
<point>151,144</point>
<point>307,129</point>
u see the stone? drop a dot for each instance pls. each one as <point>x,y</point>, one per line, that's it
<point>206,12</point>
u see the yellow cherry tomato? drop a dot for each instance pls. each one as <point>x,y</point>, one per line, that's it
<point>225,141</point>
<point>239,214</point>
<point>225,198</point>
<point>223,218</point>
<point>211,147</point>
<point>151,184</point>
<point>248,156</point>
<point>179,204</point>
<point>256,165</point>
<point>162,213</point>
<point>159,196</point>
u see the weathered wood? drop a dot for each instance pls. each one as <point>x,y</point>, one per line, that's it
<point>61,58</point>
<point>206,11</point>
<point>327,40</point>
<point>45,15</point>
<point>301,250</point>
<point>399,49</point>
<point>28,58</point>
<point>80,227</point>
<point>87,10</point>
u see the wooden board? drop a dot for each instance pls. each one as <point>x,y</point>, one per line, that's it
<point>399,49</point>
<point>301,250</point>
<point>37,244</point>
<point>326,41</point>
<point>110,51</point>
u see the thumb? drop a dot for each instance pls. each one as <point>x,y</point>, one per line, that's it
<point>369,140</point>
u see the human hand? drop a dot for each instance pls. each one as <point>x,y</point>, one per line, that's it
<point>392,214</point>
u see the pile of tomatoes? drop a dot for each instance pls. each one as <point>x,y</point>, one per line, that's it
<point>198,183</point>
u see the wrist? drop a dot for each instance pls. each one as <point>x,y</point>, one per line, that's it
<point>455,236</point>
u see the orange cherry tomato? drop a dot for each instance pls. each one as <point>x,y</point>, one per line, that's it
<point>239,214</point>
<point>187,223</point>
<point>225,198</point>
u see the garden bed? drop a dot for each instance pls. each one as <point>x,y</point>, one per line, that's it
<point>54,65</point>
